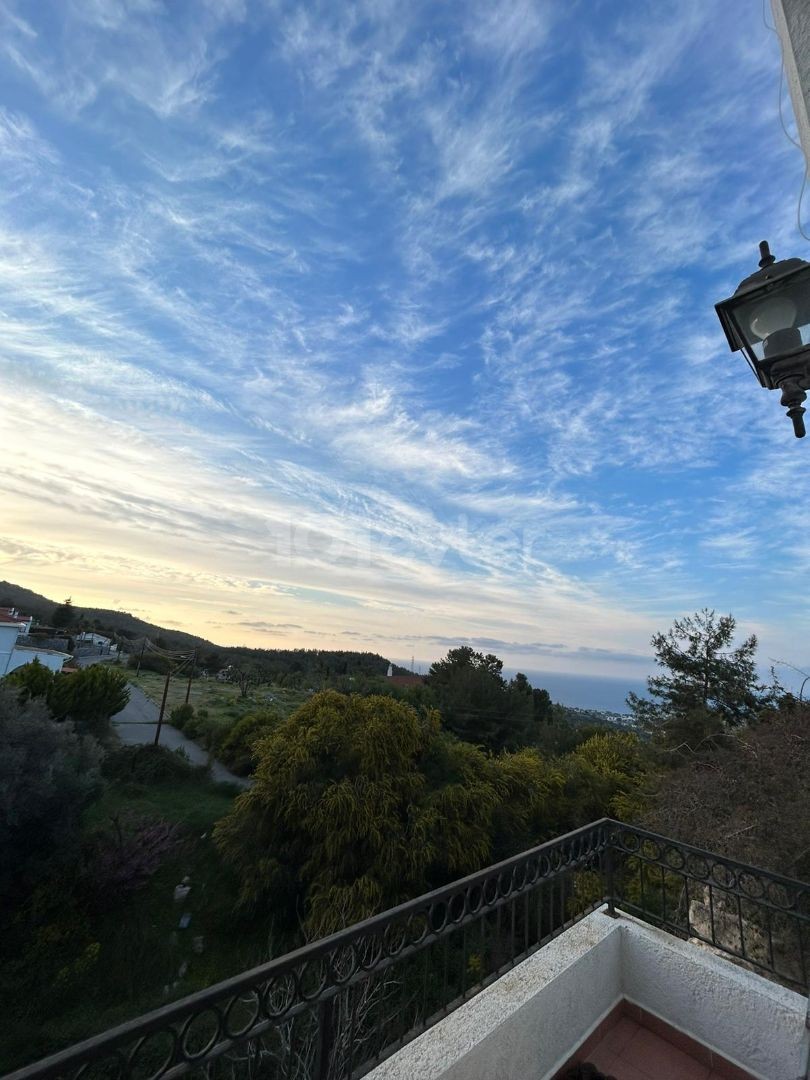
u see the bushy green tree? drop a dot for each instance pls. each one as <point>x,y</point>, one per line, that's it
<point>89,697</point>
<point>48,774</point>
<point>476,702</point>
<point>543,706</point>
<point>65,615</point>
<point>604,775</point>
<point>237,748</point>
<point>180,715</point>
<point>361,802</point>
<point>707,684</point>
<point>32,680</point>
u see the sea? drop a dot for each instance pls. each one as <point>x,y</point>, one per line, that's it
<point>606,693</point>
<point>587,691</point>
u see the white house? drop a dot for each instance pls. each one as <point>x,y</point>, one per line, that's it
<point>89,637</point>
<point>90,642</point>
<point>13,655</point>
<point>12,614</point>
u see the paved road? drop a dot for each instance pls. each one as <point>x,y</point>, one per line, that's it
<point>94,658</point>
<point>137,723</point>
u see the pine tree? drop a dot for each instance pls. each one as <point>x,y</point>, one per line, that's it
<point>64,615</point>
<point>707,684</point>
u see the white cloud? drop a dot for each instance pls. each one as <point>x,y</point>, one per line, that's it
<point>398,322</point>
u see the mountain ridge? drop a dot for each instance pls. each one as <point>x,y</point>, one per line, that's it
<point>128,625</point>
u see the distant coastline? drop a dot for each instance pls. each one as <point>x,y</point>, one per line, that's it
<point>603,692</point>
<point>588,691</point>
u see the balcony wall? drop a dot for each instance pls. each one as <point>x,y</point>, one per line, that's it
<point>527,1025</point>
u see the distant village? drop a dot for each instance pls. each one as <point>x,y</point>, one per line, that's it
<point>21,642</point>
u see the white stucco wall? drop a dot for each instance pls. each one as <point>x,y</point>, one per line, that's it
<point>792,21</point>
<point>751,1021</point>
<point>529,1022</point>
<point>8,639</point>
<point>49,658</point>
<point>520,1027</point>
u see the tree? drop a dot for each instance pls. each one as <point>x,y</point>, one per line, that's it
<point>708,685</point>
<point>64,615</point>
<point>89,697</point>
<point>244,675</point>
<point>237,748</point>
<point>33,680</point>
<point>747,799</point>
<point>361,802</point>
<point>48,774</point>
<point>477,704</point>
<point>543,706</point>
<point>614,770</point>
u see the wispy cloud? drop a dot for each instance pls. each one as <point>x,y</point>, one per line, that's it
<point>392,324</point>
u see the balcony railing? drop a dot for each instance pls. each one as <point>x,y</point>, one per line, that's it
<point>335,1008</point>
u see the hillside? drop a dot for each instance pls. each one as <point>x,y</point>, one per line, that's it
<point>317,662</point>
<point>121,622</point>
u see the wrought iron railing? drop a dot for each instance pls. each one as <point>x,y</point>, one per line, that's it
<point>335,1008</point>
<point>754,916</point>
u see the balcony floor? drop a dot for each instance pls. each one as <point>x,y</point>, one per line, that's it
<point>630,1051</point>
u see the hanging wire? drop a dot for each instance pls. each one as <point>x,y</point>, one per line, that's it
<point>795,142</point>
<point>176,654</point>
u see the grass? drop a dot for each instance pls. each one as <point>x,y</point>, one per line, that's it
<point>196,804</point>
<point>221,700</point>
<point>144,958</point>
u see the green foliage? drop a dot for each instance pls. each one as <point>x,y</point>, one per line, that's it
<point>617,758</point>
<point>148,764</point>
<point>361,802</point>
<point>707,686</point>
<point>614,754</point>
<point>476,702</point>
<point>606,774</point>
<point>199,726</point>
<point>542,706</point>
<point>89,697</point>
<point>65,615</point>
<point>180,715</point>
<point>34,680</point>
<point>236,748</point>
<point>48,774</point>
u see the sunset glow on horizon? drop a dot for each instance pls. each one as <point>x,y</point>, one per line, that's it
<point>387,327</point>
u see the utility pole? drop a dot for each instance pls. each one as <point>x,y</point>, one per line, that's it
<point>163,706</point>
<point>190,673</point>
<point>143,648</point>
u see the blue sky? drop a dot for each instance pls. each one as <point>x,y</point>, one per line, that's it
<point>390,326</point>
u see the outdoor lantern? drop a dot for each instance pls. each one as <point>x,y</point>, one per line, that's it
<point>768,317</point>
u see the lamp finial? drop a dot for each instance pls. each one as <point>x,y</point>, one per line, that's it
<point>766,259</point>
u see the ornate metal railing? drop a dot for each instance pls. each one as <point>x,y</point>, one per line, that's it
<point>335,1008</point>
<point>757,917</point>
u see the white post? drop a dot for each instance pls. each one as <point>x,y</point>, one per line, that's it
<point>792,21</point>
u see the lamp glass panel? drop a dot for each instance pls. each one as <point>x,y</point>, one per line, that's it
<point>773,313</point>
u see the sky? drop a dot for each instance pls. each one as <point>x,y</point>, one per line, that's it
<point>390,326</point>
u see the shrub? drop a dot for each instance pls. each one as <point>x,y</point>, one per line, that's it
<point>121,860</point>
<point>89,697</point>
<point>48,774</point>
<point>181,715</point>
<point>149,765</point>
<point>236,748</point>
<point>32,680</point>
